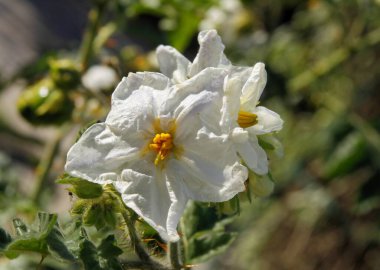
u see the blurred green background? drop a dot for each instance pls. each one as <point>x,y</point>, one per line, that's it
<point>323,63</point>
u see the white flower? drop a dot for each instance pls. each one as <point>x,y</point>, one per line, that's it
<point>242,91</point>
<point>98,78</point>
<point>160,147</point>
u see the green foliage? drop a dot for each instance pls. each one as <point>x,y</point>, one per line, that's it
<point>103,257</point>
<point>179,19</point>
<point>346,155</point>
<point>64,73</point>
<point>70,244</point>
<point>323,79</point>
<point>97,205</point>
<point>82,188</point>
<point>43,237</point>
<point>5,239</point>
<point>260,185</point>
<point>204,233</point>
<point>43,103</point>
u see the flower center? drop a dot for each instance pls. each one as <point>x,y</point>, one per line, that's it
<point>247,119</point>
<point>161,144</point>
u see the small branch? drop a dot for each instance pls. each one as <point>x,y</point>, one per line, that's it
<point>94,19</point>
<point>174,255</point>
<point>43,168</point>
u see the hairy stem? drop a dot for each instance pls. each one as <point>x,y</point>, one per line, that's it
<point>174,255</point>
<point>138,248</point>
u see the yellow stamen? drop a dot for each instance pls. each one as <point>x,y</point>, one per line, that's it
<point>161,143</point>
<point>247,119</point>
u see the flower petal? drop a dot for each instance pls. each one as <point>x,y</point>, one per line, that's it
<point>268,121</point>
<point>136,113</point>
<point>99,151</point>
<point>188,112</point>
<point>172,63</point>
<point>207,174</point>
<point>253,155</point>
<point>253,87</point>
<point>135,81</point>
<point>231,99</point>
<point>208,83</point>
<point>210,53</point>
<point>150,196</point>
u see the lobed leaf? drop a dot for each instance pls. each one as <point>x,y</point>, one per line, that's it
<point>204,233</point>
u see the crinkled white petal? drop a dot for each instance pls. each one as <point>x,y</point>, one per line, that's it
<point>210,52</point>
<point>189,179</point>
<point>172,63</point>
<point>151,197</point>
<point>189,110</point>
<point>268,121</point>
<point>210,80</point>
<point>135,81</point>
<point>98,152</point>
<point>253,155</point>
<point>253,87</point>
<point>137,112</point>
<point>209,167</point>
<point>239,135</point>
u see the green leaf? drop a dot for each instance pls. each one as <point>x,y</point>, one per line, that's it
<point>88,255</point>
<point>204,232</point>
<point>82,188</point>
<point>108,249</point>
<point>45,223</point>
<point>31,244</point>
<point>109,252</point>
<point>5,239</point>
<point>198,218</point>
<point>31,239</point>
<point>103,257</point>
<point>206,244</point>
<point>346,155</point>
<point>20,227</point>
<point>74,234</point>
<point>57,247</point>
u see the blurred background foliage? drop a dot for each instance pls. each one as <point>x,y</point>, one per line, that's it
<point>322,58</point>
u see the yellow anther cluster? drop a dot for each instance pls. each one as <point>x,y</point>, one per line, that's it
<point>161,144</point>
<point>247,119</point>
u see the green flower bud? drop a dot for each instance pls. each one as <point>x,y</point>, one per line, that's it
<point>261,186</point>
<point>43,103</point>
<point>230,207</point>
<point>100,211</point>
<point>92,214</point>
<point>79,207</point>
<point>64,73</point>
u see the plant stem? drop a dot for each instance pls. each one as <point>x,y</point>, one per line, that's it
<point>174,255</point>
<point>43,168</point>
<point>94,18</point>
<point>138,248</point>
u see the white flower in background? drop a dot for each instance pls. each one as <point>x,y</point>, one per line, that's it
<point>100,78</point>
<point>241,117</point>
<point>228,16</point>
<point>160,146</point>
